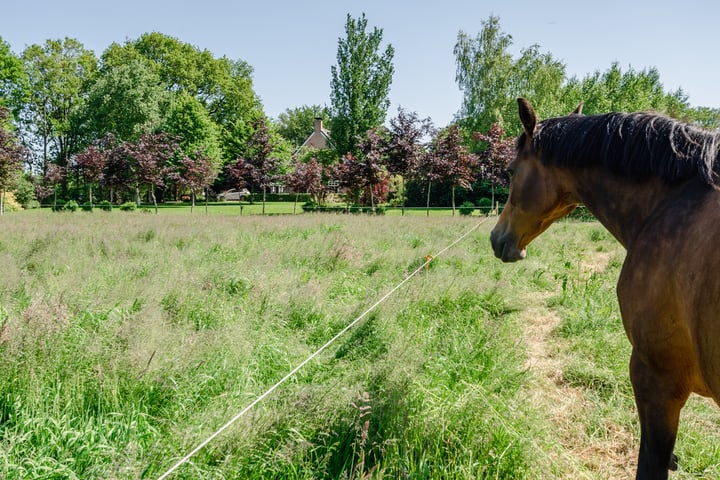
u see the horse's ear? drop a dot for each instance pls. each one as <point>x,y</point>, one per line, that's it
<point>527,116</point>
<point>578,109</point>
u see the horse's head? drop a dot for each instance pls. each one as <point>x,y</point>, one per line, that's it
<point>539,194</point>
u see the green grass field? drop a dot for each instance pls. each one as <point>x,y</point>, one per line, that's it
<point>126,339</point>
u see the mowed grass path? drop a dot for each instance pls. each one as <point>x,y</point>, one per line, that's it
<point>126,339</point>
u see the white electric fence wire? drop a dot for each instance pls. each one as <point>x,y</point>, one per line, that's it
<point>429,259</point>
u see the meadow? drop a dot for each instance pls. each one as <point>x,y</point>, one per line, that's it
<point>126,339</point>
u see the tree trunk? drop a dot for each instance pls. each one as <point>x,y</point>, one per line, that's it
<point>206,201</point>
<point>2,202</point>
<point>453,200</point>
<point>152,194</point>
<point>192,197</point>
<point>492,204</point>
<point>90,197</point>
<point>428,199</point>
<point>263,203</point>
<point>402,195</point>
<point>137,196</point>
<point>295,204</point>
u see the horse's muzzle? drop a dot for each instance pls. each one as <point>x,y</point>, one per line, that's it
<point>505,246</point>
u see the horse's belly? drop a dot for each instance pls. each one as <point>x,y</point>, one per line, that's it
<point>666,326</point>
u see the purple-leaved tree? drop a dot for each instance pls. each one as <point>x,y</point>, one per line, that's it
<point>151,155</point>
<point>196,173</point>
<point>11,157</point>
<point>454,164</point>
<point>90,166</point>
<point>306,177</point>
<point>260,167</point>
<point>405,148</point>
<point>495,158</point>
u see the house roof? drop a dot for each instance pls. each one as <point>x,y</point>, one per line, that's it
<point>319,138</point>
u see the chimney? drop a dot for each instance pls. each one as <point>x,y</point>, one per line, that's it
<point>318,125</point>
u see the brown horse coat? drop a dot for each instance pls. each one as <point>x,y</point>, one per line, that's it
<point>651,182</point>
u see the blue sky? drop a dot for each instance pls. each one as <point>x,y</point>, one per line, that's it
<point>291,45</point>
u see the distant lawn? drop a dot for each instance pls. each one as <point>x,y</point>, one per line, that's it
<point>273,208</point>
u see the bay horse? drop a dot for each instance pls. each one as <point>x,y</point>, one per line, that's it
<point>653,183</point>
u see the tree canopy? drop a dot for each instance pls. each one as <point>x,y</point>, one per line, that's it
<point>360,85</point>
<point>89,124</point>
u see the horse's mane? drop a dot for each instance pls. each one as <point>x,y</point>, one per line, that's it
<point>636,145</point>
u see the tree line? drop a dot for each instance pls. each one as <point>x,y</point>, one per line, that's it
<point>157,119</point>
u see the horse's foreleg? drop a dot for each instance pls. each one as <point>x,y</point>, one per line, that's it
<point>659,396</point>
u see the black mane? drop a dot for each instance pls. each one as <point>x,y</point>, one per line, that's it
<point>636,145</point>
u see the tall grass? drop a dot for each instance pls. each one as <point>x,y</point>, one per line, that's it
<point>127,339</point>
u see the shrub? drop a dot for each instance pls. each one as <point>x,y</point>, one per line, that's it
<point>86,207</point>
<point>105,206</point>
<point>58,206</point>
<point>128,207</point>
<point>71,206</point>
<point>10,203</point>
<point>467,208</point>
<point>484,202</point>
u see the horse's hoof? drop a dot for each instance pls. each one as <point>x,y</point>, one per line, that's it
<point>673,463</point>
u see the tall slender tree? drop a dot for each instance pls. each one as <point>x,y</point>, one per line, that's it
<point>360,84</point>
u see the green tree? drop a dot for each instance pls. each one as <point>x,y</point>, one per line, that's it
<point>491,79</point>
<point>296,124</point>
<point>59,76</point>
<point>484,73</point>
<point>615,90</point>
<point>705,117</point>
<point>126,100</point>
<point>360,84</point>
<point>12,77</point>
<point>190,121</point>
<point>539,76</point>
<point>222,86</point>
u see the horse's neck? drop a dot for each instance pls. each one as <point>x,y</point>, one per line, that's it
<point>622,206</point>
